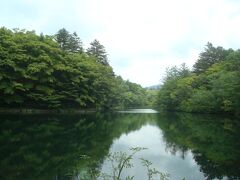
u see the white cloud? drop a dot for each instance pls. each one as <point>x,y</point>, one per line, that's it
<point>142,37</point>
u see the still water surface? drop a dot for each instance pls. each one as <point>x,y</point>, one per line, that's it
<point>53,146</point>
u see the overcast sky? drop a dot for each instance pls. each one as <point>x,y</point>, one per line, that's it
<point>142,37</point>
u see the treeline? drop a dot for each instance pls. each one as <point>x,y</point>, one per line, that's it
<point>213,86</point>
<point>42,71</point>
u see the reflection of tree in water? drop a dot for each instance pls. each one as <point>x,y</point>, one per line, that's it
<point>213,169</point>
<point>174,148</point>
<point>212,140</point>
<point>50,147</point>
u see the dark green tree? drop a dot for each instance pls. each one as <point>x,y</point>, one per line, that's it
<point>69,42</point>
<point>38,72</point>
<point>209,56</point>
<point>98,51</point>
<point>75,44</point>
<point>62,37</point>
<point>213,89</point>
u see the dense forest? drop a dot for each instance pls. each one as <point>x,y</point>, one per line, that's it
<point>212,86</point>
<point>55,71</point>
<point>47,72</point>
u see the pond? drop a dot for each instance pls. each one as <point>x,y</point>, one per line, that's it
<point>71,146</point>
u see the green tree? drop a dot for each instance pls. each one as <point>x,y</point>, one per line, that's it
<point>98,51</point>
<point>39,72</point>
<point>75,44</point>
<point>174,89</point>
<point>69,42</point>
<point>62,38</point>
<point>213,89</point>
<point>210,56</point>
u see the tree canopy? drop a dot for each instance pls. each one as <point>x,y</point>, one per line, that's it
<point>41,71</point>
<point>98,51</point>
<point>212,87</point>
<point>210,56</point>
<point>69,42</point>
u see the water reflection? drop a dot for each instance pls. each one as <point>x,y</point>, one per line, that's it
<point>211,139</point>
<point>151,137</point>
<point>51,146</point>
<point>139,111</point>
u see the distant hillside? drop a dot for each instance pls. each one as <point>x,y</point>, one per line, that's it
<point>154,87</point>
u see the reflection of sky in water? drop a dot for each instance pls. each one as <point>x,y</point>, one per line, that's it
<point>144,111</point>
<point>151,137</point>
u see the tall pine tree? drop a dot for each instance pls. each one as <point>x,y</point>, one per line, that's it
<point>209,56</point>
<point>69,42</point>
<point>98,51</point>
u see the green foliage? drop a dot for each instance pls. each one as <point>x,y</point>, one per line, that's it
<point>151,172</point>
<point>212,89</point>
<point>120,160</point>
<point>69,42</point>
<point>177,86</point>
<point>134,95</point>
<point>98,51</point>
<point>152,98</point>
<point>212,139</point>
<point>49,146</point>
<point>177,72</point>
<point>54,72</point>
<point>210,56</point>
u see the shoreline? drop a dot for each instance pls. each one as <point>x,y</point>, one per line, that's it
<point>44,111</point>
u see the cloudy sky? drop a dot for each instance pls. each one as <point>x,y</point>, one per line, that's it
<point>142,37</point>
